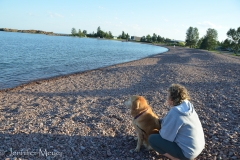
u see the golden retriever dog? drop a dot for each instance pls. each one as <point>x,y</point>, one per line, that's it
<point>144,120</point>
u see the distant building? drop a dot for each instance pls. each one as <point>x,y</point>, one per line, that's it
<point>135,38</point>
<point>114,37</point>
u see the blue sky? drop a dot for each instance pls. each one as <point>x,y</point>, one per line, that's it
<point>169,19</point>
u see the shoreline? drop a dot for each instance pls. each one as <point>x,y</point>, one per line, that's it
<point>82,115</point>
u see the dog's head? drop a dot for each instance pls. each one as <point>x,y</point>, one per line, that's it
<point>136,104</point>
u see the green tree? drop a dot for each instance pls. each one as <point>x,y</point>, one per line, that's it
<point>154,37</point>
<point>80,34</point>
<point>148,38</point>
<point>203,44</point>
<point>159,39</point>
<point>143,39</point>
<point>74,32</point>
<point>226,44</point>
<point>100,33</point>
<point>199,42</point>
<point>84,32</point>
<point>127,36</point>
<point>123,35</point>
<point>210,39</point>
<point>234,37</point>
<point>110,34</point>
<point>98,29</point>
<point>167,40</point>
<point>162,40</point>
<point>212,36</point>
<point>192,37</point>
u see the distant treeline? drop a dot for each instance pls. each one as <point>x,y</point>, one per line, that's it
<point>208,42</point>
<point>99,33</point>
<point>33,31</point>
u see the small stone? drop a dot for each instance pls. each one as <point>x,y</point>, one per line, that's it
<point>7,138</point>
<point>82,148</point>
<point>35,139</point>
<point>109,153</point>
<point>215,154</point>
<point>230,153</point>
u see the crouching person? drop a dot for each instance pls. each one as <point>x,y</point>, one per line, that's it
<point>181,135</point>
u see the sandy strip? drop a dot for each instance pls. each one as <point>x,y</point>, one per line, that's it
<point>81,116</point>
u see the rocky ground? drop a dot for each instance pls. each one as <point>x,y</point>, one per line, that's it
<point>82,116</point>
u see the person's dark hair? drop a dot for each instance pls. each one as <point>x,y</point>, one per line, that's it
<point>178,93</point>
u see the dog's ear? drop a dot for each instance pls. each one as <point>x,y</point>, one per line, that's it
<point>136,104</point>
<point>135,107</point>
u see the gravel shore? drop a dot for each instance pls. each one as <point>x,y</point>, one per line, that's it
<point>82,116</point>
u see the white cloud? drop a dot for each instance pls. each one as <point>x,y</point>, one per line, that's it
<point>100,7</point>
<point>54,15</point>
<point>207,24</point>
<point>31,14</point>
<point>165,19</point>
<point>183,25</point>
<point>177,30</point>
<point>221,29</point>
<point>134,26</point>
<point>108,22</point>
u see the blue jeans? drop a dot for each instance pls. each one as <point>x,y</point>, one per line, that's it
<point>163,146</point>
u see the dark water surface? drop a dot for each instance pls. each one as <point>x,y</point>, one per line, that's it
<point>26,57</point>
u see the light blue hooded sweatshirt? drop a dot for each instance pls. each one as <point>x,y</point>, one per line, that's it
<point>182,125</point>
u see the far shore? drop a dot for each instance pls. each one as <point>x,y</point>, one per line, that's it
<point>34,32</point>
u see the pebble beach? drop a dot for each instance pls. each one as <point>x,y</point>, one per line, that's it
<point>82,115</point>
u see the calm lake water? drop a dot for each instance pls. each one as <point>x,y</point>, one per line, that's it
<point>26,57</point>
